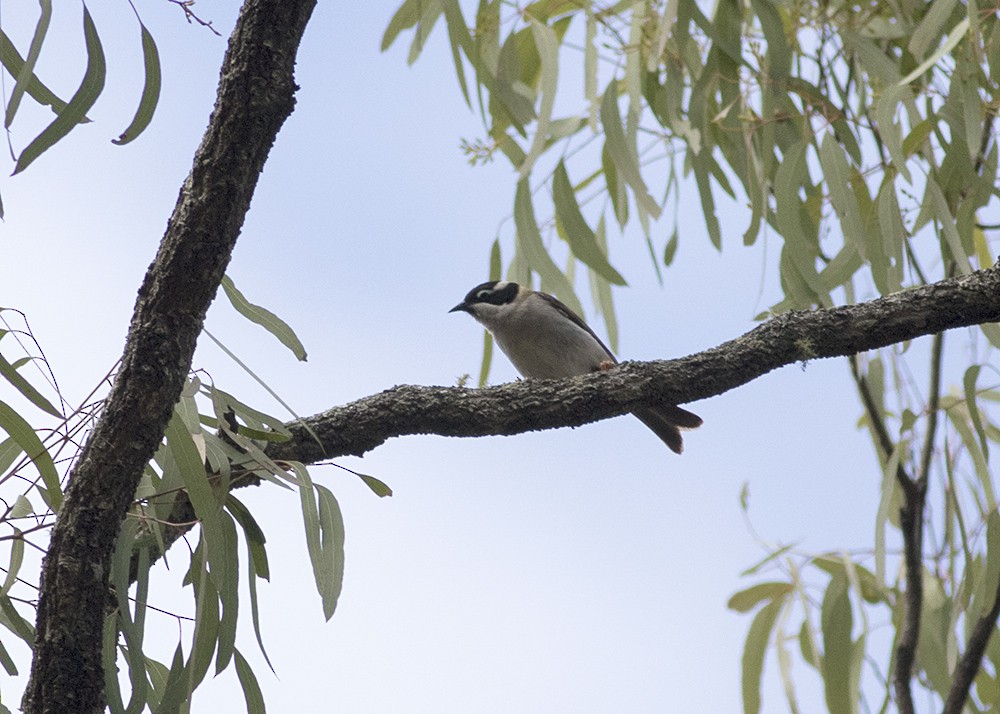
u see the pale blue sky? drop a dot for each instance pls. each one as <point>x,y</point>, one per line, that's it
<point>577,570</point>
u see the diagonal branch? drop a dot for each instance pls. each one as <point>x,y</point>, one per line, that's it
<point>971,660</point>
<point>361,426</point>
<point>255,97</point>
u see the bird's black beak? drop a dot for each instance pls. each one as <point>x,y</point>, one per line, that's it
<point>461,307</point>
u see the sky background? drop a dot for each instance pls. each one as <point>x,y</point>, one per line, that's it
<point>582,570</point>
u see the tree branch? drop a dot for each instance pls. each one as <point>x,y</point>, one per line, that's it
<point>255,97</point>
<point>361,426</point>
<point>911,525</point>
<point>531,405</point>
<point>971,660</point>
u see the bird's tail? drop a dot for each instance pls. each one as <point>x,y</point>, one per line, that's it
<point>667,421</point>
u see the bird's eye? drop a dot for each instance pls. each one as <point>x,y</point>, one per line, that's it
<point>483,294</point>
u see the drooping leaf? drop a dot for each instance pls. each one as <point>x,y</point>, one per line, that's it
<point>837,622</point>
<point>581,238</point>
<point>26,438</point>
<point>618,149</point>
<point>26,73</point>
<point>84,98</point>
<point>969,383</point>
<point>753,654</point>
<point>529,243</point>
<point>405,18</point>
<point>14,564</point>
<point>265,318</point>
<point>10,373</point>
<point>12,60</point>
<point>547,46</point>
<point>324,538</point>
<point>954,37</point>
<point>251,689</point>
<point>150,90</point>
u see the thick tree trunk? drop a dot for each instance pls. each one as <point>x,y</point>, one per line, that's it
<point>255,97</point>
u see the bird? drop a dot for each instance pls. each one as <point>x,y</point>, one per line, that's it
<point>544,339</point>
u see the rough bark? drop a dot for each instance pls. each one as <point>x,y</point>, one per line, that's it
<point>255,97</point>
<point>359,427</point>
<point>356,428</point>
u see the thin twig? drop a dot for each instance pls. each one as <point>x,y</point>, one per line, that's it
<point>971,660</point>
<point>933,403</point>
<point>885,443</point>
<point>911,517</point>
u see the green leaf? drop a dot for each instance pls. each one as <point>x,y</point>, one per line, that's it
<point>838,178</point>
<point>7,662</point>
<point>257,565</point>
<point>892,230</point>
<point>703,165</point>
<point>253,533</point>
<point>131,628</point>
<point>529,242</point>
<point>969,382</point>
<point>332,522</point>
<point>430,11</point>
<point>928,32</point>
<point>251,690</point>
<point>792,219</point>
<point>957,417</point>
<point>954,37</point>
<point>12,620</point>
<point>837,621</point>
<point>229,597</point>
<point>885,114</point>
<point>84,98</point>
<point>753,654</point>
<point>600,289</point>
<point>547,45</point>
<point>14,566</point>
<point>939,207</point>
<point>590,67</point>
<point>109,658</point>
<point>207,507</point>
<point>12,60</point>
<point>581,239</point>
<point>914,141</point>
<point>378,487</point>
<point>22,433</point>
<point>324,539</point>
<point>670,249</point>
<point>265,318</point>
<point>22,507</point>
<point>9,451</point>
<point>10,373</point>
<point>622,156</point>
<point>26,73</point>
<point>206,622</point>
<point>158,676</point>
<point>512,95</point>
<point>404,18</point>
<point>747,600</point>
<point>937,633</point>
<point>150,90</point>
<point>174,690</point>
<point>458,37</point>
